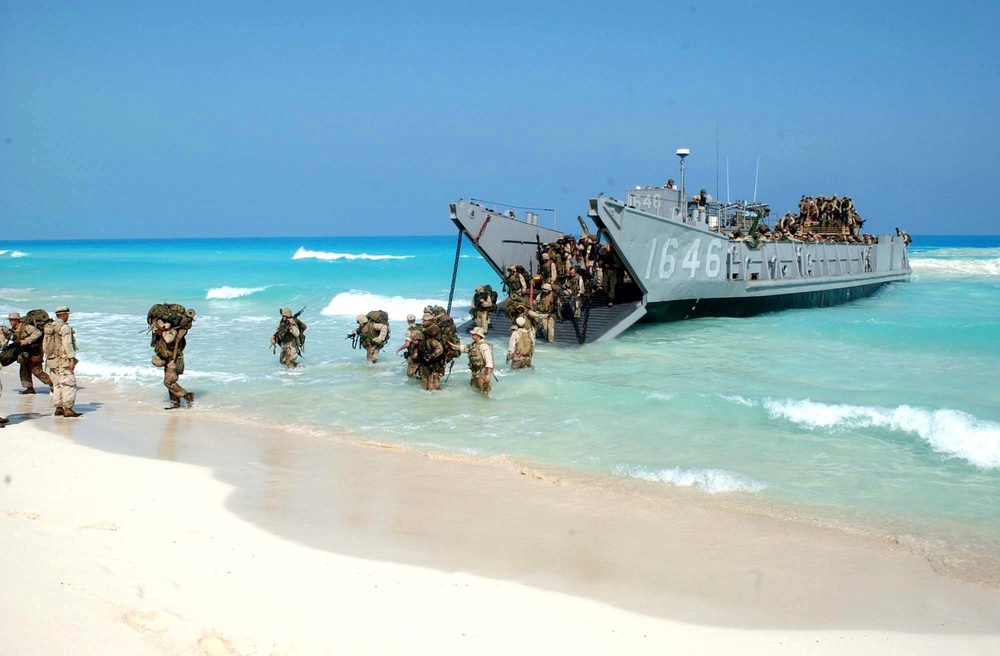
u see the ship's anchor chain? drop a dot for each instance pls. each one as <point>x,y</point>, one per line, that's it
<point>454,270</point>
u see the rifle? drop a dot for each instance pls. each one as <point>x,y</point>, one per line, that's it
<point>355,337</point>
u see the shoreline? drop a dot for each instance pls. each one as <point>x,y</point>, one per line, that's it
<point>952,549</point>
<point>666,564</point>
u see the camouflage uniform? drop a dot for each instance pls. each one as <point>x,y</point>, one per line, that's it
<point>30,358</point>
<point>288,335</point>
<point>168,345</point>
<point>480,362</point>
<point>373,335</point>
<point>520,358</point>
<point>410,346</point>
<point>60,352</point>
<point>544,313</point>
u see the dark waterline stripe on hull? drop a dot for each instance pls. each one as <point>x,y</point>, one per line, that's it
<point>753,305</point>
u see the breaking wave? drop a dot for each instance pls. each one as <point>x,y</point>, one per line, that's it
<point>950,432</point>
<point>304,254</point>
<point>13,253</point>
<point>956,267</point>
<point>231,292</point>
<point>713,481</point>
<point>354,302</point>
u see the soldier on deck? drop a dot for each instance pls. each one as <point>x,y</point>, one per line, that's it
<point>544,314</point>
<point>516,284</point>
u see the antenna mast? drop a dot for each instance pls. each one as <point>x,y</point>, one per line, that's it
<point>755,177</point>
<point>682,153</point>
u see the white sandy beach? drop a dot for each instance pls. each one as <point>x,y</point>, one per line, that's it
<point>136,531</point>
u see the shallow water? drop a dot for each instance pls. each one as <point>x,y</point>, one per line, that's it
<point>882,412</point>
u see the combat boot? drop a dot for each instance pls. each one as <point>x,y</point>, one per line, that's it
<point>58,412</point>
<point>189,397</point>
<point>175,402</point>
<point>70,412</point>
<point>4,421</point>
<point>30,390</point>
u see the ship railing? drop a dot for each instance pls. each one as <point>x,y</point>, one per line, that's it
<point>510,211</point>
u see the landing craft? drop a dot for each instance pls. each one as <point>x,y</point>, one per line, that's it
<point>681,261</point>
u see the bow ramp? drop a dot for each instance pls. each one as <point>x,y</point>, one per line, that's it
<point>503,240</point>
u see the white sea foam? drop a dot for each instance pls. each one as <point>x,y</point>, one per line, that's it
<point>713,481</point>
<point>98,370</point>
<point>225,293</point>
<point>305,254</point>
<point>739,400</point>
<point>950,432</point>
<point>354,302</point>
<point>14,253</point>
<point>955,267</point>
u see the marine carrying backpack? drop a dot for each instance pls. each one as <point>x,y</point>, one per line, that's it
<point>173,313</point>
<point>381,316</point>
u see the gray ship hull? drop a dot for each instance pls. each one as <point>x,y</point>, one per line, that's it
<point>684,267</point>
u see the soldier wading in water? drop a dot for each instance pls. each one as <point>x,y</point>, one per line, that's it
<point>480,361</point>
<point>372,332</point>
<point>290,337</point>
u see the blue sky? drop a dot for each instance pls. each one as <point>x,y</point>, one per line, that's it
<point>260,119</point>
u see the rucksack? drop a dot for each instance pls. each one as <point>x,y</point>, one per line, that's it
<point>381,316</point>
<point>175,314</point>
<point>522,347</point>
<point>37,318</point>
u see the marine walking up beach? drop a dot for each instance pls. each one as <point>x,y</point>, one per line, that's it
<point>27,334</point>
<point>372,333</point>
<point>521,346</point>
<point>170,324</point>
<point>480,361</point>
<point>59,347</point>
<point>290,337</point>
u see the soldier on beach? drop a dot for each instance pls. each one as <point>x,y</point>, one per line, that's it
<point>29,338</point>
<point>290,336</point>
<point>59,346</point>
<point>168,344</point>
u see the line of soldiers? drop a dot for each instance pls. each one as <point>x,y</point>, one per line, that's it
<point>820,220</point>
<point>52,345</point>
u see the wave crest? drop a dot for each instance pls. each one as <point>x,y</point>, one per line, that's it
<point>713,481</point>
<point>305,254</point>
<point>951,432</point>
<point>956,267</point>
<point>216,293</point>
<point>354,302</point>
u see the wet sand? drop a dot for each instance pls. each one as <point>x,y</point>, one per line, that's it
<point>134,530</point>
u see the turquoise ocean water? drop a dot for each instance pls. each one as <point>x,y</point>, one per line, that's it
<point>882,413</point>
